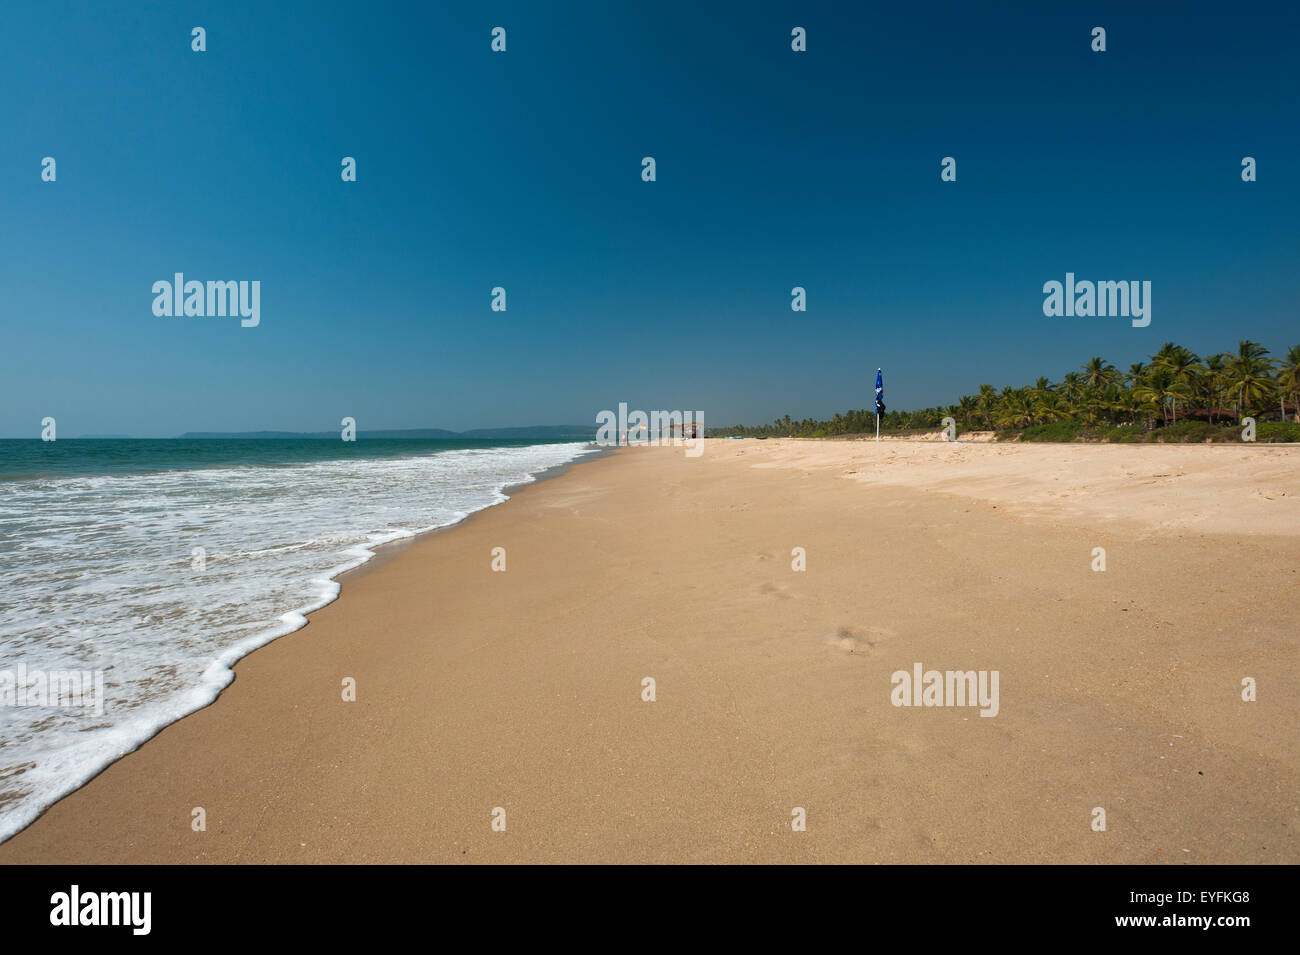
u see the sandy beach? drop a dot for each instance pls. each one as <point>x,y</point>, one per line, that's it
<point>523,689</point>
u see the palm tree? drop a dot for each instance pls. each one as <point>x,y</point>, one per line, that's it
<point>1115,400</point>
<point>1072,386</point>
<point>1212,380</point>
<point>1017,411</point>
<point>1040,391</point>
<point>1098,374</point>
<point>1161,388</point>
<point>1178,360</point>
<point>987,401</point>
<point>968,405</point>
<point>1249,376</point>
<point>1136,375</point>
<point>1161,358</point>
<point>1288,379</point>
<point>1126,405</point>
<point>1249,349</point>
<point>1049,406</point>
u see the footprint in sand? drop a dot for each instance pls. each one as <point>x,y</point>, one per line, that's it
<point>858,639</point>
<point>926,840</point>
<point>1268,495</point>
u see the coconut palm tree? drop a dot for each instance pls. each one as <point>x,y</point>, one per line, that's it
<point>969,406</point>
<point>1126,406</point>
<point>1249,376</point>
<point>1148,394</point>
<point>987,401</point>
<point>1042,387</point>
<point>1072,387</point>
<point>1098,374</point>
<point>1249,349</point>
<point>1134,378</point>
<point>1180,361</point>
<point>1288,380</point>
<point>1017,411</point>
<point>1162,388</point>
<point>1049,406</point>
<point>1211,379</point>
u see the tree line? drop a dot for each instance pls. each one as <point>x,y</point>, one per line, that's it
<point>1161,397</point>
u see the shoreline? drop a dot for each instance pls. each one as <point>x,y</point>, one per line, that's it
<point>389,550</point>
<point>298,618</point>
<point>523,689</point>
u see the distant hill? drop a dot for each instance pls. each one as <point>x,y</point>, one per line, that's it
<point>536,431</point>
<point>548,431</point>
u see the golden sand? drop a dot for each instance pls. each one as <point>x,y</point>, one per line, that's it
<point>523,690</point>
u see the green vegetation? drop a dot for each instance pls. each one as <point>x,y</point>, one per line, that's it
<point>1176,396</point>
<point>1279,431</point>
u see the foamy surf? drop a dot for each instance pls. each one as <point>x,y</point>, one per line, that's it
<point>162,580</point>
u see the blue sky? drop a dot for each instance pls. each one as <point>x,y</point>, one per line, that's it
<point>522,170</point>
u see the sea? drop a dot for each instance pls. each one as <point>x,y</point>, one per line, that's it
<point>147,568</point>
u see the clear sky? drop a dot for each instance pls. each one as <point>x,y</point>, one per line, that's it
<point>523,170</point>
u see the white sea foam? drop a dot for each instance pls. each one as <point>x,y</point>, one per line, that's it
<point>96,574</point>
